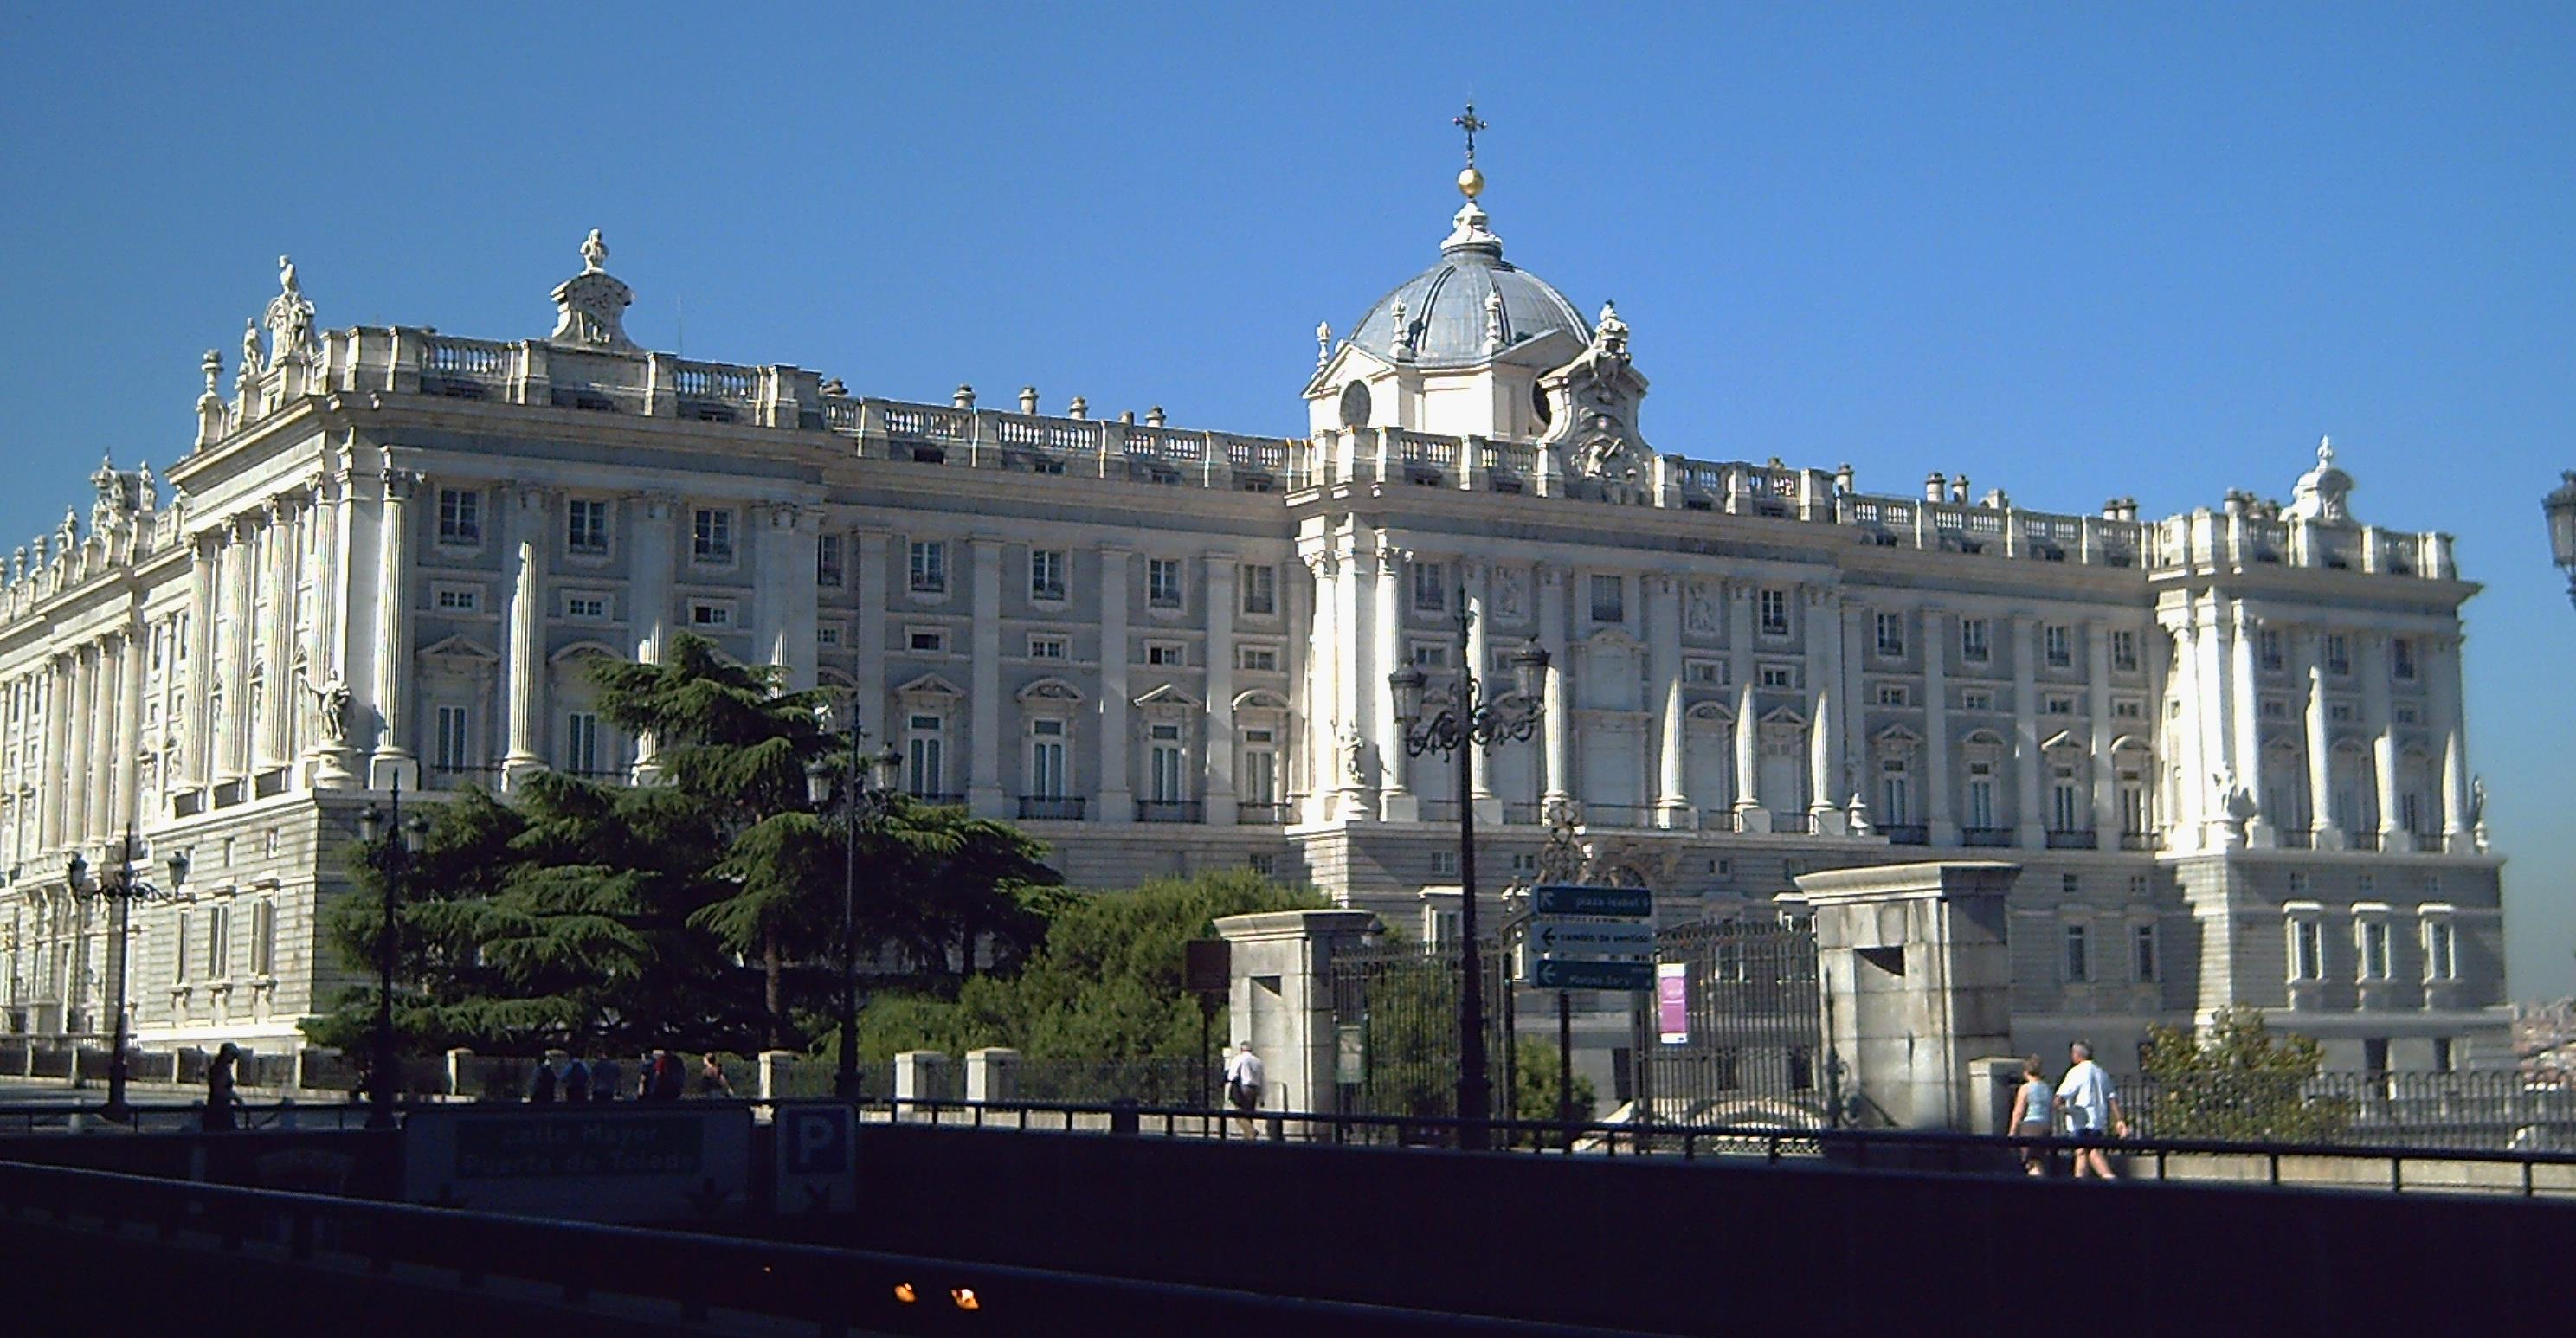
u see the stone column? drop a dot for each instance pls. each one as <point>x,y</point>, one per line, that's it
<point>1556,714</point>
<point>2371,662</point>
<point>2247,705</point>
<point>985,795</point>
<point>1324,718</point>
<point>1349,662</point>
<point>1824,621</point>
<point>2320,742</point>
<point>1480,659</point>
<point>773,576</point>
<point>53,785</point>
<point>1395,798</point>
<point>2097,709</point>
<point>238,625</point>
<point>1664,672</point>
<point>1914,958</point>
<point>81,754</point>
<point>1218,787</point>
<point>2444,652</point>
<point>652,557</point>
<point>133,659</point>
<point>2178,737</point>
<point>801,592</point>
<point>1938,826</point>
<point>1115,801</point>
<point>277,633</point>
<point>392,659</point>
<point>203,677</point>
<point>2030,816</point>
<point>1750,815</point>
<point>322,652</point>
<point>523,655</point>
<point>2214,708</point>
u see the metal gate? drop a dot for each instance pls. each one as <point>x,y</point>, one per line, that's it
<point>1395,1024</point>
<point>1750,1050</point>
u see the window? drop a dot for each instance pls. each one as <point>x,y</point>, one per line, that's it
<point>263,938</point>
<point>2339,712</point>
<point>2268,649</point>
<point>2128,708</point>
<point>2058,645</point>
<point>1047,575</point>
<point>2401,658</point>
<point>2057,703</point>
<point>1775,613</point>
<point>1259,583</point>
<point>831,636</point>
<point>1430,592</point>
<point>2374,1054</point>
<point>1168,777</point>
<point>2338,654</point>
<point>2405,713</point>
<point>451,748</point>
<point>2124,650</point>
<point>2441,951</point>
<point>1895,793</point>
<point>1891,635</point>
<point>2137,887</point>
<point>1779,676</point>
<point>1430,655</point>
<point>585,606</point>
<point>1705,672</point>
<point>1166,654</point>
<point>586,526</point>
<point>1894,694</point>
<point>2374,949</point>
<point>1258,862</point>
<point>1444,864</point>
<point>581,743</point>
<point>828,571</point>
<point>2307,949</point>
<point>712,535</point>
<point>2133,816</point>
<point>1976,644</point>
<point>2142,953</point>
<point>1163,582</point>
<point>452,598</point>
<point>923,745</point>
<point>1257,659</point>
<point>1047,646</point>
<point>460,516</point>
<point>2298,884</point>
<point>1259,782</point>
<point>926,640</point>
<point>2070,885</point>
<point>1046,759</point>
<point>1976,699</point>
<point>219,942</point>
<point>928,560</point>
<point>710,613</point>
<point>1526,862</point>
<point>1609,599</point>
<point>2444,1060</point>
<point>179,946</point>
<point>2079,958</point>
<point>1981,794</point>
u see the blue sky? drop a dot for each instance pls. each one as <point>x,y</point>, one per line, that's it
<point>2076,254</point>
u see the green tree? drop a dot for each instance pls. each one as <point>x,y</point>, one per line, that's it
<point>1534,1084</point>
<point>2235,1080</point>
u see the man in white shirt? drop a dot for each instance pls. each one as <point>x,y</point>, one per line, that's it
<point>1243,1083</point>
<point>2092,1110</point>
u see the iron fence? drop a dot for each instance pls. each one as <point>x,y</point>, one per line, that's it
<point>1395,1029</point>
<point>2491,1110</point>
<point>1750,1050</point>
<point>1162,1080</point>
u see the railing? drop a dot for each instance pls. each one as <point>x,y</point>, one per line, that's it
<point>1717,820</point>
<point>1986,837</point>
<point>938,799</point>
<point>1258,815</point>
<point>1906,834</point>
<point>715,381</point>
<point>2294,838</point>
<point>1519,813</point>
<point>1439,810</point>
<point>1060,808</point>
<point>1169,810</point>
<point>476,359</point>
<point>2367,840</point>
<point>2141,841</point>
<point>2079,839</point>
<point>1618,815</point>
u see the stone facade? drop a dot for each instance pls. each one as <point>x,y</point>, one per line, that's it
<point>2226,747</point>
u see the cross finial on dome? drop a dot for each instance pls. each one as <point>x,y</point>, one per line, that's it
<point>2325,450</point>
<point>1471,182</point>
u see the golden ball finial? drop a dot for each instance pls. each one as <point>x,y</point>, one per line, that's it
<point>1471,183</point>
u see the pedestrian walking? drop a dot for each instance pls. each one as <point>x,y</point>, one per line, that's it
<point>711,1077</point>
<point>574,1084</point>
<point>663,1080</point>
<point>2092,1109</point>
<point>1244,1080</point>
<point>604,1078</point>
<point>541,1082</point>
<point>220,1098</point>
<point>2034,1114</point>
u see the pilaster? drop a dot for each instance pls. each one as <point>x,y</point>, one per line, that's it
<point>1218,784</point>
<point>985,797</point>
<point>1115,800</point>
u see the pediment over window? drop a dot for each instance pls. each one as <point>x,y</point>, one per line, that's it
<point>1896,741</point>
<point>1260,699</point>
<point>1170,696</point>
<point>2063,740</point>
<point>458,651</point>
<point>1710,713</point>
<point>1784,715</point>
<point>584,650</point>
<point>2130,743</point>
<point>930,685</point>
<point>1054,690</point>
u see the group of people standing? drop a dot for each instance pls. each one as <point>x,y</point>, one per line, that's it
<point>2087,1100</point>
<point>566,1079</point>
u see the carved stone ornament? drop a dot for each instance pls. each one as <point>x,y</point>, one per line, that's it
<point>290,316</point>
<point>590,307</point>
<point>1700,613</point>
<point>1602,453</point>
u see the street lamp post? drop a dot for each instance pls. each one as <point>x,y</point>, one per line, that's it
<point>126,890</point>
<point>393,863</point>
<point>2560,507</point>
<point>1470,721</point>
<point>866,783</point>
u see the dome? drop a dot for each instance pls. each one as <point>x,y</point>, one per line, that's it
<point>1446,307</point>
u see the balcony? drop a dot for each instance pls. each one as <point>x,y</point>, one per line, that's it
<point>1052,808</point>
<point>1906,834</point>
<point>2077,839</point>
<point>938,799</point>
<point>2141,841</point>
<point>1260,815</point>
<point>2295,838</point>
<point>1991,838</point>
<point>1717,819</point>
<point>1169,810</point>
<point>1523,813</point>
<point>1617,815</point>
<point>2363,840</point>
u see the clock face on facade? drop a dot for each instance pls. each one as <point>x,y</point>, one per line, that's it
<point>1355,405</point>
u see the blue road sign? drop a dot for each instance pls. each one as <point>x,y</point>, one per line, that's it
<point>1627,903</point>
<point>1553,973</point>
<point>814,1140</point>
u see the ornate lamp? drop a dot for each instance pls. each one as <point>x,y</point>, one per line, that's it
<point>2560,507</point>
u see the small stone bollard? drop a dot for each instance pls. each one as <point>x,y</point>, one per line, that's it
<point>459,1060</point>
<point>993,1074</point>
<point>1122,1116</point>
<point>920,1079</point>
<point>774,1066</point>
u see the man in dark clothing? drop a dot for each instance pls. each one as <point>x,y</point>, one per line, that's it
<point>541,1083</point>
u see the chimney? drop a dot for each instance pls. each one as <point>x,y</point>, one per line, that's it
<point>1935,486</point>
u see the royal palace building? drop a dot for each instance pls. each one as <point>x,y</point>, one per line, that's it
<point>2225,747</point>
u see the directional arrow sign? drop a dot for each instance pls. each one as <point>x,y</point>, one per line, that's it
<point>1626,903</point>
<point>1575,938</point>
<point>1584,974</point>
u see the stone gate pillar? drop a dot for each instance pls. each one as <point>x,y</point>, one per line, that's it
<point>1917,981</point>
<point>1281,997</point>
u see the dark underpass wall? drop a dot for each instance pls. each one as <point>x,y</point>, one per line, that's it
<point>1709,1247</point>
